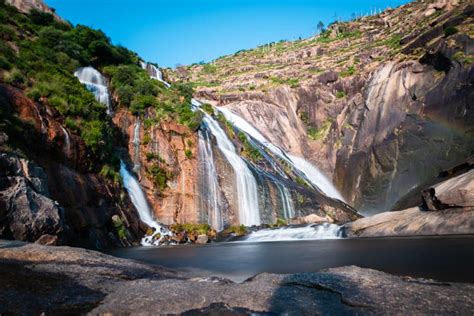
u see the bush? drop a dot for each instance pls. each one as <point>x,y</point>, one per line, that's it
<point>340,94</point>
<point>160,176</point>
<point>188,153</point>
<point>40,17</point>
<point>209,109</point>
<point>450,30</point>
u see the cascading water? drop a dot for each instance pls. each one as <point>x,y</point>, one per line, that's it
<point>139,201</point>
<point>95,83</point>
<point>304,168</point>
<point>136,146</point>
<point>286,201</point>
<point>67,141</point>
<point>210,185</point>
<point>154,72</point>
<point>246,186</point>
<point>314,231</point>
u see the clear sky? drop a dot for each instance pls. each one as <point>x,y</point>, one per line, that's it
<point>171,32</point>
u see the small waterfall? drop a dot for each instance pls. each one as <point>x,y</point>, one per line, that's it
<point>67,141</point>
<point>209,184</point>
<point>136,145</point>
<point>313,231</point>
<point>304,168</point>
<point>154,72</point>
<point>95,83</point>
<point>139,201</point>
<point>286,201</point>
<point>246,186</point>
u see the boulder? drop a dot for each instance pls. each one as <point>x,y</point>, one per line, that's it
<point>202,239</point>
<point>327,77</point>
<point>26,208</point>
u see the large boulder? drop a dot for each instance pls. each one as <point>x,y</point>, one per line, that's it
<point>26,210</point>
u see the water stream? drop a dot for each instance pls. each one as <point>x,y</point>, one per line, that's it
<point>95,83</point>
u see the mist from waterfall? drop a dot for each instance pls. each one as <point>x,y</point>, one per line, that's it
<point>245,183</point>
<point>96,83</point>
<point>304,167</point>
<point>139,201</point>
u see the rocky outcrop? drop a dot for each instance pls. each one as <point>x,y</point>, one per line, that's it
<point>79,281</point>
<point>379,114</point>
<point>27,5</point>
<point>27,211</point>
<point>449,209</point>
<point>50,190</point>
<point>164,156</point>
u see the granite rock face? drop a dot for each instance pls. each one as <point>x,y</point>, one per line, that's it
<point>78,280</point>
<point>455,216</point>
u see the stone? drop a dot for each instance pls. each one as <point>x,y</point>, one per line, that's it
<point>327,77</point>
<point>202,239</point>
<point>47,240</point>
<point>82,281</point>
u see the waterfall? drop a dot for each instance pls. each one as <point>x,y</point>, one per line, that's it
<point>316,177</point>
<point>67,141</point>
<point>304,168</point>
<point>313,231</point>
<point>286,201</point>
<point>154,72</point>
<point>246,186</point>
<point>139,201</point>
<point>96,83</point>
<point>136,145</point>
<point>210,184</point>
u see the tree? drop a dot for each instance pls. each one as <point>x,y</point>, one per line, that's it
<point>320,26</point>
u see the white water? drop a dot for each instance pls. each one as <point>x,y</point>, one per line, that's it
<point>67,141</point>
<point>136,146</point>
<point>154,72</point>
<point>316,177</point>
<point>139,201</point>
<point>314,231</point>
<point>95,83</point>
<point>312,173</point>
<point>210,183</point>
<point>246,186</point>
<point>286,201</point>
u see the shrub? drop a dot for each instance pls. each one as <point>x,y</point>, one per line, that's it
<point>316,134</point>
<point>350,71</point>
<point>209,69</point>
<point>160,176</point>
<point>188,153</point>
<point>340,94</point>
<point>450,30</point>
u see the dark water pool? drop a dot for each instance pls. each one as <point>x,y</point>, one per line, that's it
<point>440,258</point>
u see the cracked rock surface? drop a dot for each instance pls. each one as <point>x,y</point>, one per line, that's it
<point>39,278</point>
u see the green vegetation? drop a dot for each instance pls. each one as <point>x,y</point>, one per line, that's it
<point>350,71</point>
<point>249,151</point>
<point>292,82</point>
<point>110,173</point>
<point>280,222</point>
<point>209,109</point>
<point>462,58</point>
<point>209,69</point>
<point>195,229</point>
<point>340,94</point>
<point>228,125</point>
<point>237,230</point>
<point>159,175</point>
<point>321,133</point>
<point>450,30</point>
<point>393,41</point>
<point>188,153</point>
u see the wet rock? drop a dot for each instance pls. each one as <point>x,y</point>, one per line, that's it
<point>47,240</point>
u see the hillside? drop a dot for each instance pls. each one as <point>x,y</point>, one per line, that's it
<point>381,103</point>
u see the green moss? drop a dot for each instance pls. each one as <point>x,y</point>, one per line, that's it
<point>188,153</point>
<point>160,176</point>
<point>237,230</point>
<point>350,71</point>
<point>209,109</point>
<point>195,229</point>
<point>280,222</point>
<point>249,151</point>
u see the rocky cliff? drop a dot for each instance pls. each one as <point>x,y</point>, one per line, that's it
<point>381,103</point>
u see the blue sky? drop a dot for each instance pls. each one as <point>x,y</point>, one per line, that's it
<point>171,32</point>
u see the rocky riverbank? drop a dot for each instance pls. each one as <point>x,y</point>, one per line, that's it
<point>63,279</point>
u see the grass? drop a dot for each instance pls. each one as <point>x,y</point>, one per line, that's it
<point>321,133</point>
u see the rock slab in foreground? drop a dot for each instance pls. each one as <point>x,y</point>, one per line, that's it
<point>38,278</point>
